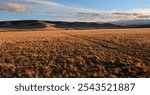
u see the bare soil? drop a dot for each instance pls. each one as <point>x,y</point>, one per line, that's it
<point>60,53</point>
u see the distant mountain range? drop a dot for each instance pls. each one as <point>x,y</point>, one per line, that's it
<point>36,24</point>
<point>134,22</point>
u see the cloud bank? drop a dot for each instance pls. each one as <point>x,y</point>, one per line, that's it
<point>69,13</point>
<point>13,7</point>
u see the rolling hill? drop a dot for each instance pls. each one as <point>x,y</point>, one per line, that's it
<point>36,24</point>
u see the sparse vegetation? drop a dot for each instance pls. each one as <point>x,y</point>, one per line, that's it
<point>76,53</point>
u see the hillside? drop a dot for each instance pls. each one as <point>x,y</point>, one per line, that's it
<point>35,24</point>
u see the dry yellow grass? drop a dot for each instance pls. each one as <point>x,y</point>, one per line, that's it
<point>75,53</point>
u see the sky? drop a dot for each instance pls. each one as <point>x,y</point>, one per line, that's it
<point>75,10</point>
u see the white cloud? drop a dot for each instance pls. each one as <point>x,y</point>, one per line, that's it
<point>13,7</point>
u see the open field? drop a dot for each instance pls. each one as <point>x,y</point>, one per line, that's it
<point>75,53</point>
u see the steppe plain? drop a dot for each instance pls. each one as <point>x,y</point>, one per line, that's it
<point>61,53</point>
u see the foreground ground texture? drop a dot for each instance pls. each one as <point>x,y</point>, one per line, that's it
<point>75,53</point>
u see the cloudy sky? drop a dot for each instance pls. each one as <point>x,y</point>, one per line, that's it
<point>75,10</point>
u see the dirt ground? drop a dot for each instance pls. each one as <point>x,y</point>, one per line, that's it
<point>101,53</point>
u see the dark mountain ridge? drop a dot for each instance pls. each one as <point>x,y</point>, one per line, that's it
<point>36,24</point>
